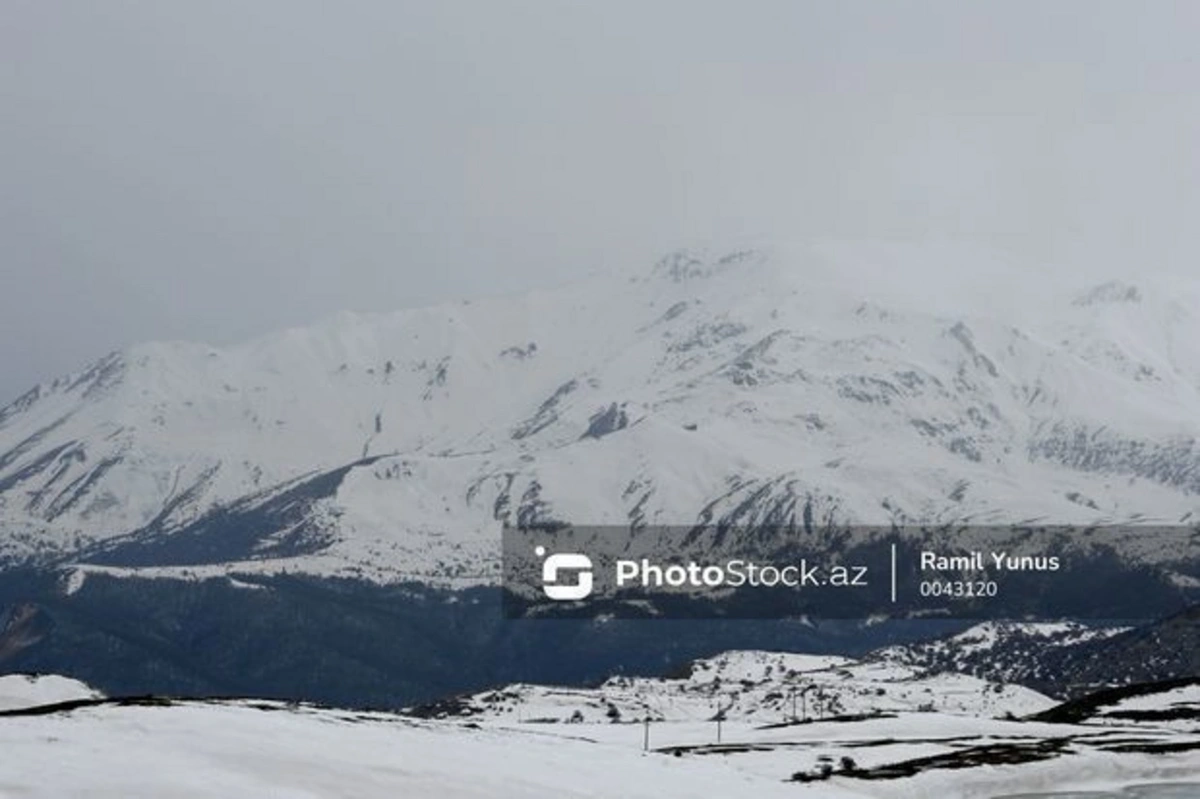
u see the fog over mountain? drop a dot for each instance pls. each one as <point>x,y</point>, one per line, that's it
<point>219,171</point>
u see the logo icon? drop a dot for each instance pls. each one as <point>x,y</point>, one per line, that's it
<point>566,562</point>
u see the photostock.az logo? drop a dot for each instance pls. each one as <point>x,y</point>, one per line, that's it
<point>566,562</point>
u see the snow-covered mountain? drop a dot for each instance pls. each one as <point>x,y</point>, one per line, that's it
<point>749,387</point>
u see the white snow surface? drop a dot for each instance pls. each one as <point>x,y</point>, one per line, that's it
<point>210,749</point>
<point>1187,696</point>
<point>32,690</point>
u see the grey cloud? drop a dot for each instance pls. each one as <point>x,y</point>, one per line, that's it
<point>215,170</point>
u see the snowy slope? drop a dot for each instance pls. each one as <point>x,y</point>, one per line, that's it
<point>238,748</point>
<point>28,690</point>
<point>763,687</point>
<point>1178,707</point>
<point>745,387</point>
<point>197,750</point>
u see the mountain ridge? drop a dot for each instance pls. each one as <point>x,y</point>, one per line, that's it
<point>741,387</point>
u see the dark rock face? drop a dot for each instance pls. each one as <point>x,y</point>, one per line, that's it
<point>607,420</point>
<point>520,353</point>
<point>547,412</point>
<point>1174,463</point>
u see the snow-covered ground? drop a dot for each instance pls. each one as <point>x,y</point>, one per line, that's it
<point>1187,696</point>
<point>27,690</point>
<point>199,749</point>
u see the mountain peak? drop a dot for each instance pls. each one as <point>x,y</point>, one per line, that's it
<point>687,265</point>
<point>1112,292</point>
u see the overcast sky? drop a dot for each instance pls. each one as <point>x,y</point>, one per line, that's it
<point>213,170</point>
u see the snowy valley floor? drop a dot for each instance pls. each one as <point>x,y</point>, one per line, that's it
<point>242,748</point>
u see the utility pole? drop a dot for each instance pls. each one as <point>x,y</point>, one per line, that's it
<point>803,701</point>
<point>720,716</point>
<point>646,733</point>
